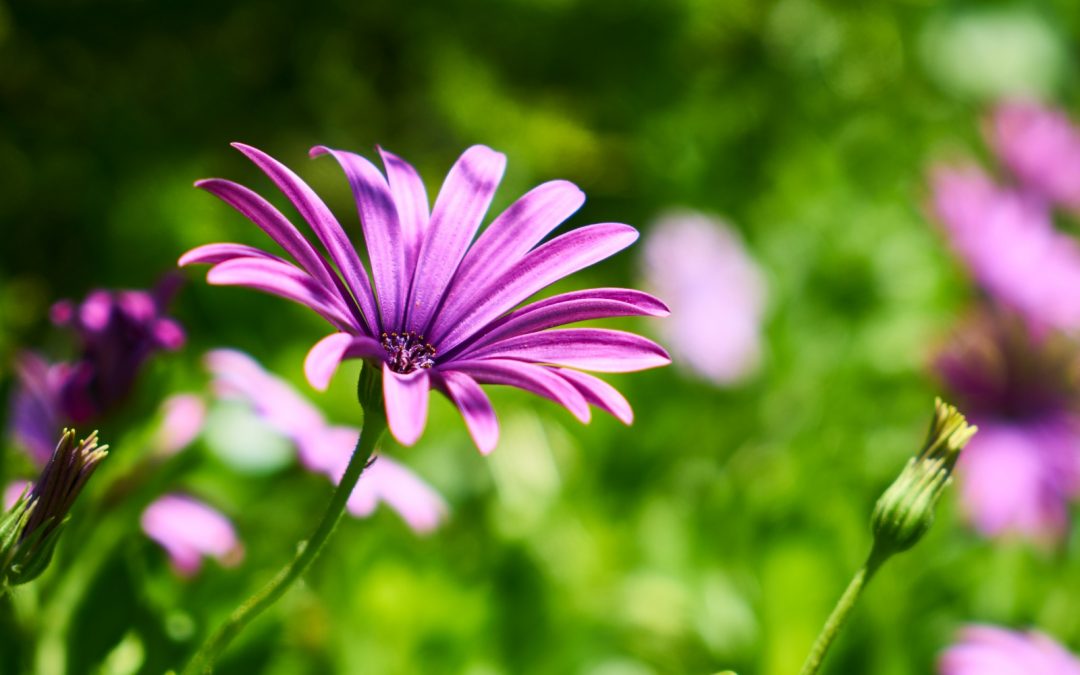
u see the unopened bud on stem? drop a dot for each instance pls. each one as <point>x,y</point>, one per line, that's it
<point>906,510</point>
<point>30,530</point>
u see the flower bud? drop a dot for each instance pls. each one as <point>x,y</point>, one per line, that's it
<point>30,530</point>
<point>906,510</point>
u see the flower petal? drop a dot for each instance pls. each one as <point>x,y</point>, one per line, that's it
<point>406,403</point>
<point>261,212</point>
<point>415,501</point>
<point>530,377</point>
<point>382,232</point>
<point>600,394</point>
<point>284,280</point>
<point>599,349</point>
<point>182,422</point>
<point>474,405</point>
<point>326,227</point>
<point>545,265</point>
<point>459,209</point>
<point>212,254</point>
<point>558,310</point>
<point>188,529</point>
<point>238,376</point>
<point>412,206</point>
<point>510,236</point>
<point>323,359</point>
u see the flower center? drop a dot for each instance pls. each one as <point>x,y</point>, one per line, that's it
<point>405,352</point>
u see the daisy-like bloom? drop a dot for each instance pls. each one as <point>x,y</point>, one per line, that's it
<point>440,312</point>
<point>990,650</point>
<point>716,291</point>
<point>189,531</point>
<point>1008,241</point>
<point>1041,148</point>
<point>1020,472</point>
<point>323,448</point>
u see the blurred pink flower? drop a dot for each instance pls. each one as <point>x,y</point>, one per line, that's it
<point>182,421</point>
<point>1008,241</point>
<point>323,448</point>
<point>13,491</point>
<point>989,650</point>
<point>189,530</point>
<point>1040,147</point>
<point>716,292</point>
<point>1019,473</point>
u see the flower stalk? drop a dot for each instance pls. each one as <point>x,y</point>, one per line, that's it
<point>369,392</point>
<point>902,516</point>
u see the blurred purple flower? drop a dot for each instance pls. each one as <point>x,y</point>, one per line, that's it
<point>116,331</point>
<point>989,650</point>
<point>1008,240</point>
<point>323,448</point>
<point>1020,471</point>
<point>440,313</point>
<point>189,530</point>
<point>716,292</point>
<point>1041,148</point>
<point>36,418</point>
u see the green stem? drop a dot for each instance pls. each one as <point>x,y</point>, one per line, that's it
<point>203,660</point>
<point>840,613</point>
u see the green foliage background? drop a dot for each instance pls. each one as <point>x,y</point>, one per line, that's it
<point>714,533</point>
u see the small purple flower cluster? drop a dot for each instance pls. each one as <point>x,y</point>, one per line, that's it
<point>116,331</point>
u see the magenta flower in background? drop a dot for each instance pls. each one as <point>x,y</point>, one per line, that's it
<point>1020,472</point>
<point>989,650</point>
<point>12,492</point>
<point>439,311</point>
<point>323,448</point>
<point>189,531</point>
<point>1008,241</point>
<point>117,331</point>
<point>716,291</point>
<point>1041,148</point>
<point>182,420</point>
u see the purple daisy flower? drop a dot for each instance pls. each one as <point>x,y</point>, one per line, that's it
<point>716,291</point>
<point>1008,240</point>
<point>1041,148</point>
<point>189,531</point>
<point>441,311</point>
<point>1019,473</point>
<point>990,650</point>
<point>323,448</point>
